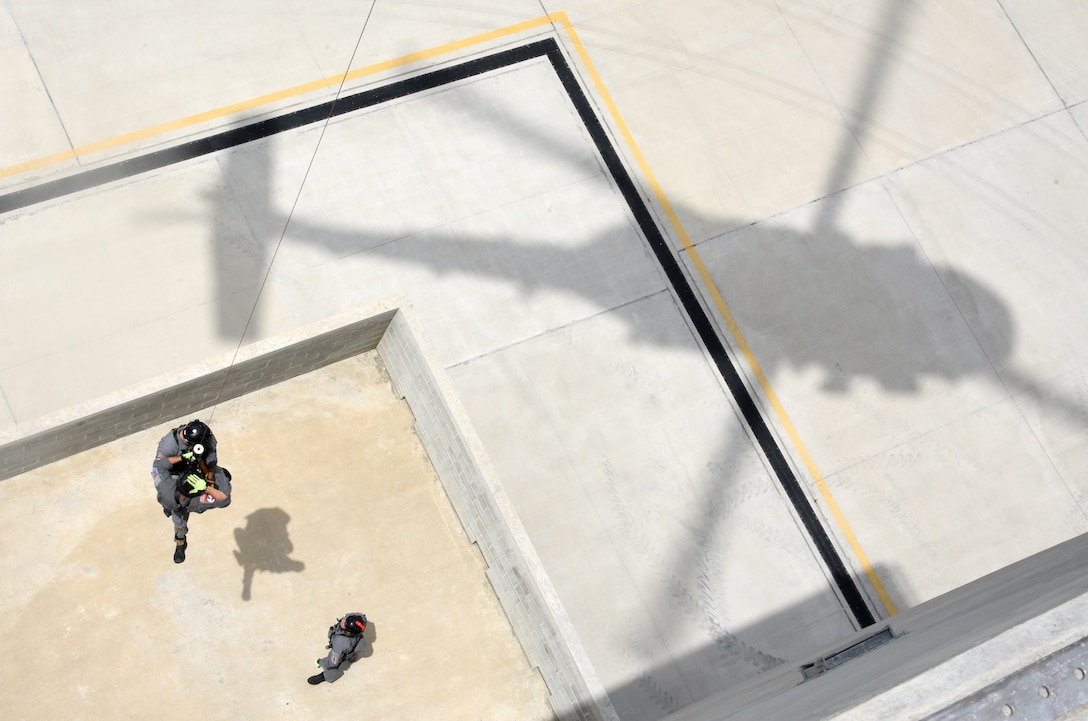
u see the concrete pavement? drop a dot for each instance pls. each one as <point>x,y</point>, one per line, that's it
<point>335,508</point>
<point>876,207</point>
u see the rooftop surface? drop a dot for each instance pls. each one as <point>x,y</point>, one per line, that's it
<point>335,508</point>
<point>767,313</point>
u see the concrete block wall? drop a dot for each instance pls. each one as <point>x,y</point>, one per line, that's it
<point>522,586</point>
<point>515,572</point>
<point>30,445</point>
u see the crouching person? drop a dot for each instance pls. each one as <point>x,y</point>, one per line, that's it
<point>346,644</point>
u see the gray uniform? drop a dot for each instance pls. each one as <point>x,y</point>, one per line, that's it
<point>173,444</point>
<point>343,650</point>
<point>165,476</point>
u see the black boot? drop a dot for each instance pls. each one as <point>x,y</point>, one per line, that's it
<point>317,677</point>
<point>179,550</point>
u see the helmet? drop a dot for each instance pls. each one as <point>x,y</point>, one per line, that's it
<point>354,624</point>
<point>195,431</point>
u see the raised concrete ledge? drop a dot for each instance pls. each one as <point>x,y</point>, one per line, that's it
<point>30,445</point>
<point>513,568</point>
<point>523,587</point>
<point>964,654</point>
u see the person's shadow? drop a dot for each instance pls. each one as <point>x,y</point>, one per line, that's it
<point>263,545</point>
<point>370,635</point>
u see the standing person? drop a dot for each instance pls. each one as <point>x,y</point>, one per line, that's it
<point>188,478</point>
<point>346,644</point>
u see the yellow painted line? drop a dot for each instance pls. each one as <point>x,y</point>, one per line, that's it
<point>257,102</point>
<point>745,349</point>
<point>552,18</point>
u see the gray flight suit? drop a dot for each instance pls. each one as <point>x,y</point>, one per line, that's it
<point>165,477</point>
<point>343,650</point>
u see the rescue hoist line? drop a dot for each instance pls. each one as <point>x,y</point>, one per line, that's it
<point>290,214</point>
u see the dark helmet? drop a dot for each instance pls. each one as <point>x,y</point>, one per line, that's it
<point>195,431</point>
<point>354,624</point>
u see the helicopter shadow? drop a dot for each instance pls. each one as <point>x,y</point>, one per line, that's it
<point>853,309</point>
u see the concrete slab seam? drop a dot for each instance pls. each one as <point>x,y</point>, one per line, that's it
<point>270,99</point>
<point>679,284</point>
<point>677,279</point>
<point>846,586</point>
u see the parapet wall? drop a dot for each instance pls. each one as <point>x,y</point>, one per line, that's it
<point>1013,643</point>
<point>259,365</point>
<point>515,572</point>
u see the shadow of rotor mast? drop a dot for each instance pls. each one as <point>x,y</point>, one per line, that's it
<point>885,313</point>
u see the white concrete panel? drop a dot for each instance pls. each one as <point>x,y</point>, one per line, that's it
<point>629,45</point>
<point>111,68</point>
<point>179,240</point>
<point>104,354</point>
<point>397,29</point>
<point>543,239</point>
<point>1055,413</point>
<point>706,196</point>
<point>914,78</point>
<point>134,251</point>
<point>946,508</point>
<point>362,188</point>
<point>634,446</point>
<point>34,237</point>
<point>57,304</point>
<point>593,13</point>
<point>498,139</point>
<point>856,331</point>
<point>721,99</point>
<point>575,245</point>
<point>498,277</point>
<point>768,120</point>
<point>83,370</point>
<point>127,281</point>
<point>1002,207</point>
<point>29,126</point>
<point>362,279</point>
<point>331,30</point>
<point>1080,117</point>
<point>7,415</point>
<point>239,317</point>
<point>1054,31</point>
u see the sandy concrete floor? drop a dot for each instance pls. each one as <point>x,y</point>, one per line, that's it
<point>884,203</point>
<point>335,508</point>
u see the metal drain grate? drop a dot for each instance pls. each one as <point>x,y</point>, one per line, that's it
<point>826,663</point>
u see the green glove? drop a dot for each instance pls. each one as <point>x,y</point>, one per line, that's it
<point>196,484</point>
<point>187,456</point>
